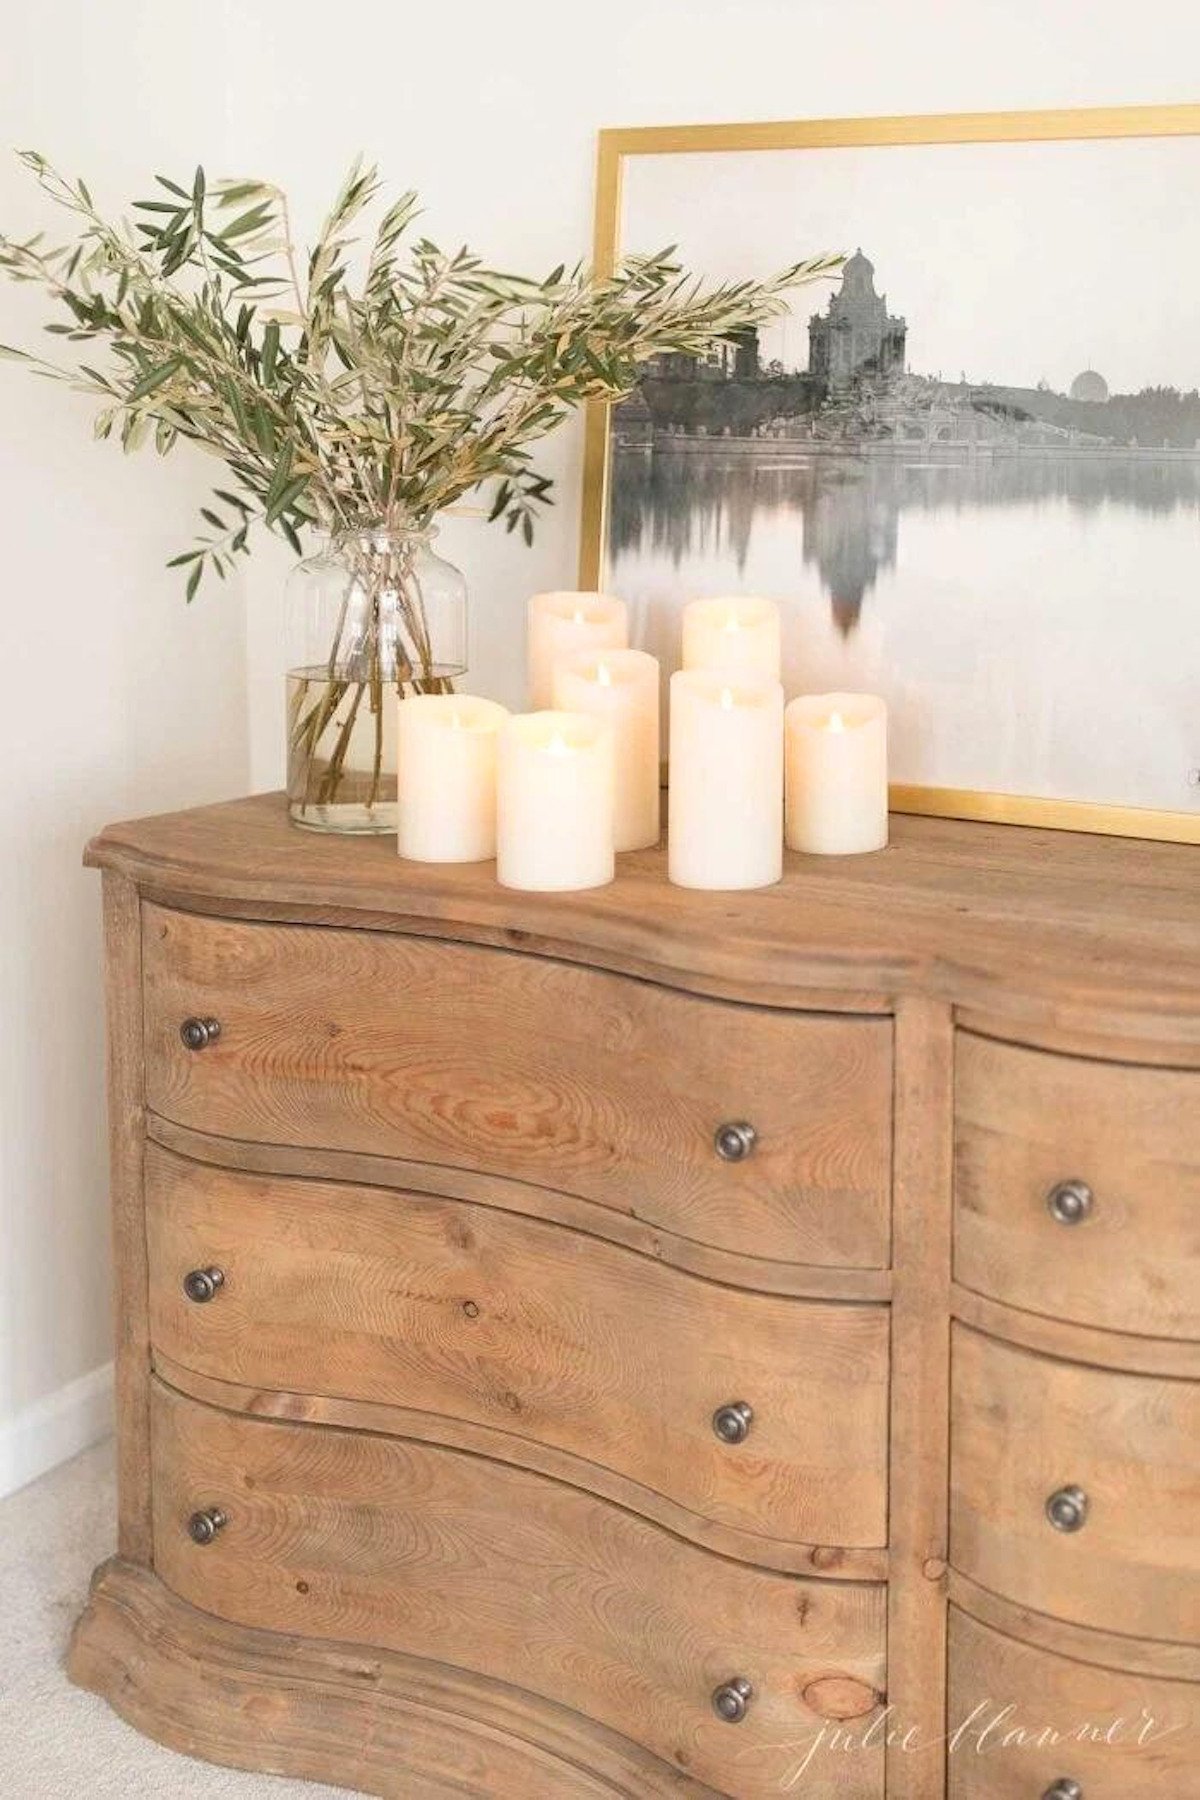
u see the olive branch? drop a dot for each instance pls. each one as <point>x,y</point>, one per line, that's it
<point>373,381</point>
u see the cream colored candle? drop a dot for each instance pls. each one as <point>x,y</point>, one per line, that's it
<point>739,638</point>
<point>446,784</point>
<point>622,686</point>
<point>837,779</point>
<point>563,624</point>
<point>555,802</point>
<point>725,818</point>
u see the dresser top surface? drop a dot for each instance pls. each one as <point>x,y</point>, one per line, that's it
<point>1069,931</point>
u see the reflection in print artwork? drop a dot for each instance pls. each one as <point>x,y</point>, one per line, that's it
<point>1014,565</point>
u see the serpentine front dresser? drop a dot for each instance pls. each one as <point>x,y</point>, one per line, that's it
<point>654,1343</point>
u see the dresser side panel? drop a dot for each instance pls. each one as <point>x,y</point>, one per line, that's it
<point>127,1112</point>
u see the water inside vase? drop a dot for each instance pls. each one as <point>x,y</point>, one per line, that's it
<point>341,752</point>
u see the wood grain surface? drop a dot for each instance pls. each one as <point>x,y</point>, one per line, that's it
<point>920,1391</point>
<point>530,1329</point>
<point>369,1540</point>
<point>1035,930</point>
<point>558,1076</point>
<point>1020,1719</point>
<point>1108,1649</point>
<point>373,1720</point>
<point>1025,1426</point>
<point>126,1143</point>
<point>487,1280</point>
<point>1077,1343</point>
<point>823,1562</point>
<point>813,1281</point>
<point>1025,1120</point>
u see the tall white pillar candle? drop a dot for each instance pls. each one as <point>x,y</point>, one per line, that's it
<point>739,638</point>
<point>725,817</point>
<point>837,778</point>
<point>622,686</point>
<point>555,802</point>
<point>446,782</point>
<point>560,625</point>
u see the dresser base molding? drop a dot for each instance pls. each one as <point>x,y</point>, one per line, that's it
<point>372,1720</point>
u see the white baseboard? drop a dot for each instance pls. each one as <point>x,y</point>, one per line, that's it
<point>56,1428</point>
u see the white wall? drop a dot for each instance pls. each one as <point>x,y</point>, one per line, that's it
<point>492,113</point>
<point>116,700</point>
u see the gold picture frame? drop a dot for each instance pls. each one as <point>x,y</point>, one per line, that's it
<point>617,146</point>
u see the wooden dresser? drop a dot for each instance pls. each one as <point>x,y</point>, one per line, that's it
<point>653,1343</point>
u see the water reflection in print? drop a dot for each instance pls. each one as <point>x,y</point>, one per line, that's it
<point>1033,620</point>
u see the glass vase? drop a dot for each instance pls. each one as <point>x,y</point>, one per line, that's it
<point>372,617</point>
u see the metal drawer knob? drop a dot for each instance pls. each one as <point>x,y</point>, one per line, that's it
<point>731,1699</point>
<point>1067,1509</point>
<point>204,1526</point>
<point>1070,1202</point>
<point>735,1140</point>
<point>200,1285</point>
<point>732,1422</point>
<point>1063,1789</point>
<point>198,1034</point>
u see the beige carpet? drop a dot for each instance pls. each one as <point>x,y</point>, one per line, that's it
<point>57,1743</point>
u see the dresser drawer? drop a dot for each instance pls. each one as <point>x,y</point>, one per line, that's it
<point>1026,1428</point>
<point>1126,1254</point>
<point>596,1085</point>
<point>373,1540</point>
<point>1021,1720</point>
<point>480,1315</point>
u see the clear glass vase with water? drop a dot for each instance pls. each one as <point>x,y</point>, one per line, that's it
<point>373,617</point>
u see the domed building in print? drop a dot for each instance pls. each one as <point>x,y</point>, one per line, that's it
<point>1090,385</point>
<point>856,336</point>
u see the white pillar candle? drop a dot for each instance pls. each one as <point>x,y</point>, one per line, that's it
<point>562,624</point>
<point>837,779</point>
<point>622,686</point>
<point>555,802</point>
<point>725,817</point>
<point>446,781</point>
<point>739,638</point>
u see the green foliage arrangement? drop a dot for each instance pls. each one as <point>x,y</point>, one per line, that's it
<point>364,384</point>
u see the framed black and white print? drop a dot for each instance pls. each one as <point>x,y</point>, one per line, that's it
<point>967,465</point>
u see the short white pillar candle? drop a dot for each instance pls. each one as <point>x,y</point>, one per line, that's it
<point>837,776</point>
<point>555,802</point>
<point>725,817</point>
<point>563,623</point>
<point>446,781</point>
<point>622,686</point>
<point>738,637</point>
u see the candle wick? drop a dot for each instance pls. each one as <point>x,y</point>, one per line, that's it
<point>455,720</point>
<point>558,745</point>
<point>727,698</point>
<point>732,623</point>
<point>604,674</point>
<point>579,617</point>
<point>836,722</point>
